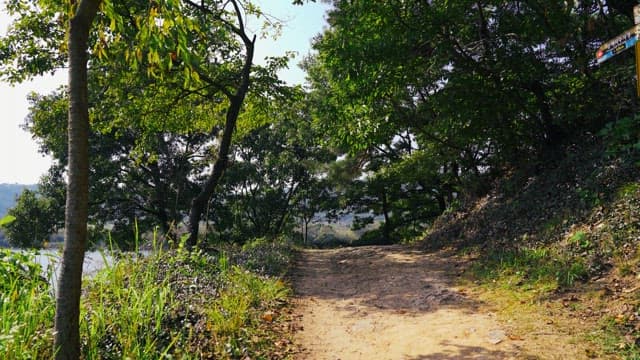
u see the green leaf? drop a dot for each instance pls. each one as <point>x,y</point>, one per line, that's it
<point>7,220</point>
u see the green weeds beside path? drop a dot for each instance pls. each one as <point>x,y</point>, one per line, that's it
<point>168,305</point>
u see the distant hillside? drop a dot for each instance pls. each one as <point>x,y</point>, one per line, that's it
<point>8,194</point>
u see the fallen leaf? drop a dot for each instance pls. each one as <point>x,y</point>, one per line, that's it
<point>516,337</point>
<point>267,316</point>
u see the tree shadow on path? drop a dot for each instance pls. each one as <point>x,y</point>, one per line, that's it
<point>462,352</point>
<point>391,278</point>
<point>391,302</point>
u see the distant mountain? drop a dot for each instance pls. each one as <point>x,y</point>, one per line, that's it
<point>8,194</point>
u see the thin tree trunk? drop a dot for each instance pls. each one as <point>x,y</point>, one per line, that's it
<point>286,212</point>
<point>306,221</point>
<point>442,203</point>
<point>67,332</point>
<point>160,193</point>
<point>386,227</point>
<point>552,133</point>
<point>198,204</point>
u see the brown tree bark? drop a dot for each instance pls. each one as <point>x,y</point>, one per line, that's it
<point>386,226</point>
<point>67,332</point>
<point>199,203</point>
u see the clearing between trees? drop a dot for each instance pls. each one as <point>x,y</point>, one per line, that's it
<point>394,302</point>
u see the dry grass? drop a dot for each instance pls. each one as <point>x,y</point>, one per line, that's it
<point>541,321</point>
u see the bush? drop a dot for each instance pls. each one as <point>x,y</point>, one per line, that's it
<point>622,136</point>
<point>168,305</point>
<point>272,257</point>
<point>372,237</point>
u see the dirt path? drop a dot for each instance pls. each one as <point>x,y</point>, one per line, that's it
<point>393,303</point>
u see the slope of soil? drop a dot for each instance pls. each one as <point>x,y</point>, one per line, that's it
<point>545,202</point>
<point>398,303</point>
<point>583,212</point>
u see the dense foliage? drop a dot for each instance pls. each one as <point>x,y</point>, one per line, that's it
<point>423,103</point>
<point>26,319</point>
<point>42,221</point>
<point>434,99</point>
<point>412,109</point>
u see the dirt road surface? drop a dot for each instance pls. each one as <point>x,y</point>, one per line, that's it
<point>393,303</point>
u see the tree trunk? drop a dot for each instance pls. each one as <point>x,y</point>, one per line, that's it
<point>306,222</point>
<point>285,212</point>
<point>305,231</point>
<point>442,203</point>
<point>386,227</point>
<point>67,332</point>
<point>199,203</point>
<point>161,192</point>
<point>551,132</point>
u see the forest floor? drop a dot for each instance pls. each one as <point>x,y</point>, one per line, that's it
<point>395,302</point>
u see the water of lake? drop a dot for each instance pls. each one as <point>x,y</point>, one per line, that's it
<point>50,258</point>
<point>93,260</point>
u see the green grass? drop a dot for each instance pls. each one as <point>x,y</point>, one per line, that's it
<point>611,336</point>
<point>540,267</point>
<point>581,240</point>
<point>263,256</point>
<point>522,280</point>
<point>628,190</point>
<point>123,308</point>
<point>168,305</point>
<point>523,286</point>
<point>26,308</point>
<point>238,315</point>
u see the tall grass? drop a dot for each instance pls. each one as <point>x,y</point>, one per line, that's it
<point>173,304</point>
<point>26,308</point>
<point>123,308</point>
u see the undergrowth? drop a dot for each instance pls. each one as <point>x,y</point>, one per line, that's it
<point>541,267</point>
<point>26,308</point>
<point>567,227</point>
<point>170,304</point>
<point>523,278</point>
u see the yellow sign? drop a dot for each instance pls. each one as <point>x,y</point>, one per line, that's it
<point>636,20</point>
<point>623,42</point>
<point>617,45</point>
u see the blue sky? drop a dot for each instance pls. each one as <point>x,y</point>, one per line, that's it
<point>20,161</point>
